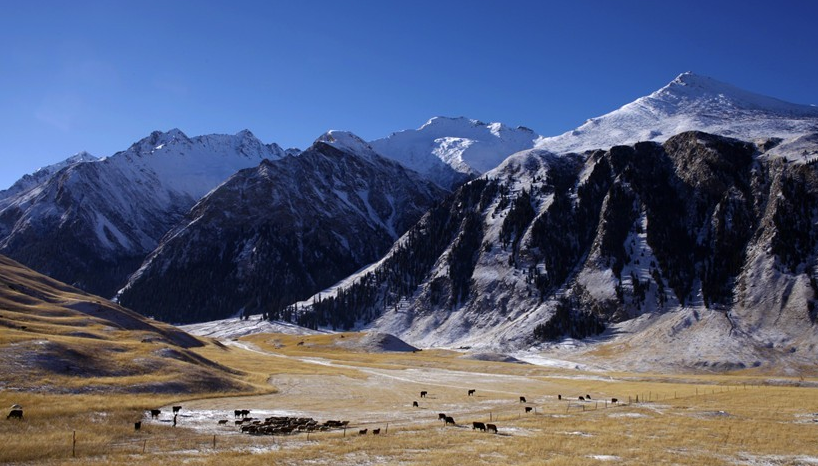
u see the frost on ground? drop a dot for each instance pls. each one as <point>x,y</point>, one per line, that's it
<point>605,457</point>
<point>747,459</point>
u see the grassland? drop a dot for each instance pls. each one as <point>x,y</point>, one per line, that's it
<point>696,420</point>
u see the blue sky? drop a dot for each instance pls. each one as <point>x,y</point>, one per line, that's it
<point>99,75</point>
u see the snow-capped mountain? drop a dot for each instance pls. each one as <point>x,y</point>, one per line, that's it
<point>279,232</point>
<point>689,103</point>
<point>92,222</point>
<point>452,150</point>
<point>701,232</point>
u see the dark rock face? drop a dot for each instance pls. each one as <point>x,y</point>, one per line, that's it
<point>686,223</point>
<point>278,233</point>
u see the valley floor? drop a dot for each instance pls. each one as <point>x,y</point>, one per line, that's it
<point>659,419</point>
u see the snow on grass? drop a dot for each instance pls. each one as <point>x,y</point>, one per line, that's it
<point>235,327</point>
<point>605,457</point>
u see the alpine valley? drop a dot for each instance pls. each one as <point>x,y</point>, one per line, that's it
<point>677,231</point>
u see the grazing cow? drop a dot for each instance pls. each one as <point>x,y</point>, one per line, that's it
<point>528,409</point>
<point>222,421</point>
<point>137,425</point>
<point>587,397</point>
<point>176,409</point>
<point>522,399</point>
<point>491,428</point>
<point>441,416</point>
<point>238,423</point>
<point>559,397</point>
<point>471,392</point>
<point>376,431</point>
<point>415,404</point>
<point>155,413</point>
<point>423,394</point>
<point>614,400</point>
<point>449,420</point>
<point>478,425</point>
<point>15,414</point>
<point>581,398</point>
<point>362,432</point>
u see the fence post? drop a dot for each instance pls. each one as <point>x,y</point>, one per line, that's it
<point>214,442</point>
<point>386,431</point>
<point>74,445</point>
<point>144,444</point>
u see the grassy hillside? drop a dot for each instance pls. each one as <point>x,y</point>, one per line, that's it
<point>55,338</point>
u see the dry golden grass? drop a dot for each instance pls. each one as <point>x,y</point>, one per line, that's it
<point>725,422</point>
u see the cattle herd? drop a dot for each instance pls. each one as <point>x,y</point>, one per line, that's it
<point>284,425</point>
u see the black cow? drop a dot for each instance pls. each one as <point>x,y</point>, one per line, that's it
<point>522,399</point>
<point>528,409</point>
<point>245,412</point>
<point>423,394</point>
<point>415,404</point>
<point>137,425</point>
<point>441,416</point>
<point>587,397</point>
<point>222,421</point>
<point>471,392</point>
<point>491,428</point>
<point>155,413</point>
<point>237,413</point>
<point>478,425</point>
<point>449,420</point>
<point>581,398</point>
<point>176,409</point>
<point>15,414</point>
<point>376,431</point>
<point>362,432</point>
<point>559,397</point>
<point>614,400</point>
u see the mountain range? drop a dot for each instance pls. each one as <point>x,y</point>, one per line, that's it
<point>692,205</point>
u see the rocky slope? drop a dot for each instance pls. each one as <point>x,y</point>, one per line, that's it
<point>277,233</point>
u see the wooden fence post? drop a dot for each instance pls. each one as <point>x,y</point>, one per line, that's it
<point>74,445</point>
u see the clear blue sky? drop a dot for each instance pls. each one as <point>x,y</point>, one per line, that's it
<point>99,75</point>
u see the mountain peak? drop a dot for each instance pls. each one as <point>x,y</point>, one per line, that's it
<point>246,134</point>
<point>81,156</point>
<point>690,102</point>
<point>448,122</point>
<point>346,141</point>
